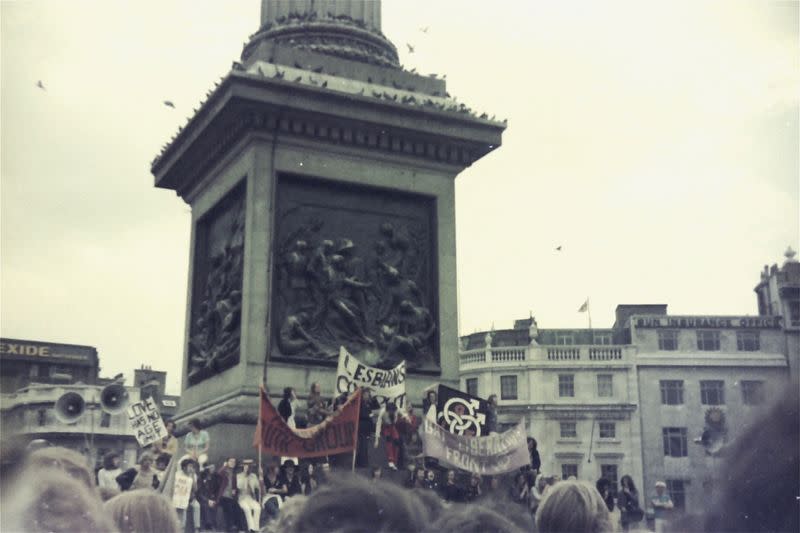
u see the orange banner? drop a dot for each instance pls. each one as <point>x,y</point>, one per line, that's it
<point>337,434</point>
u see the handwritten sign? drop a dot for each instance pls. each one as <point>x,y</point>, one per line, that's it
<point>182,490</point>
<point>146,422</point>
<point>386,385</point>
<point>496,454</point>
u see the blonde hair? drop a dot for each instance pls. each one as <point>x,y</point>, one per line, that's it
<point>573,506</point>
<point>142,511</point>
<point>64,459</point>
<point>49,500</point>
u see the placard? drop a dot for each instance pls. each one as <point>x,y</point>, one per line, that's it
<point>146,422</point>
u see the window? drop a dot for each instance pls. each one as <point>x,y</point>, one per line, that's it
<point>603,339</point>
<point>472,386</point>
<point>708,341</point>
<point>608,430</point>
<point>34,371</point>
<point>566,385</point>
<point>712,392</point>
<point>748,341</point>
<point>569,430</point>
<point>752,392</point>
<point>42,417</point>
<point>671,391</point>
<point>676,488</point>
<point>105,420</point>
<point>605,385</point>
<point>668,340</point>
<point>564,339</point>
<point>794,313</point>
<point>609,472</point>
<point>675,444</point>
<point>568,470</point>
<point>508,387</point>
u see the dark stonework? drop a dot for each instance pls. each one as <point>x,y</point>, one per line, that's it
<point>354,266</point>
<point>217,289</point>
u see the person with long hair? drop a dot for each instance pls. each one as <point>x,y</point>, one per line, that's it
<point>318,409</point>
<point>107,476</point>
<point>573,506</point>
<point>250,491</point>
<point>142,511</point>
<point>628,503</point>
<point>287,407</point>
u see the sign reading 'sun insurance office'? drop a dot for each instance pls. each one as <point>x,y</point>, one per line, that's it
<point>722,322</point>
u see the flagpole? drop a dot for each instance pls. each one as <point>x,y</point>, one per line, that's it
<point>589,312</point>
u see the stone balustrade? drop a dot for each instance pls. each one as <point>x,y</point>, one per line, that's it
<point>518,354</point>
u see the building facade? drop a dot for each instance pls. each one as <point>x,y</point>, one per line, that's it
<point>35,375</point>
<point>575,388</point>
<point>657,396</point>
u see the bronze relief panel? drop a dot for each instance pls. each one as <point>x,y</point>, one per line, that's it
<point>354,266</point>
<point>215,329</point>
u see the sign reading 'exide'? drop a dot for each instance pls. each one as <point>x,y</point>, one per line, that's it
<point>760,322</point>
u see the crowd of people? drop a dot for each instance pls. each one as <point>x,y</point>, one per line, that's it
<point>48,488</point>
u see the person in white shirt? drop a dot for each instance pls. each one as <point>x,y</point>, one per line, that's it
<point>250,492</point>
<point>107,476</point>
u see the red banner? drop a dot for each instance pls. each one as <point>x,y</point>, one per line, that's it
<point>337,434</point>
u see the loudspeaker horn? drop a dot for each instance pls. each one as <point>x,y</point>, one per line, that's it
<point>114,399</point>
<point>70,406</point>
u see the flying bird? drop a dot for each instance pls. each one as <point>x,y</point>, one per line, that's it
<point>558,248</point>
<point>169,103</point>
<point>40,85</point>
<point>410,48</point>
<point>424,30</point>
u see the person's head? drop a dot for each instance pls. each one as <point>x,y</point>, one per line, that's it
<point>58,458</point>
<point>170,426</point>
<point>377,472</point>
<point>288,393</point>
<point>626,482</point>
<point>52,501</point>
<point>247,465</point>
<point>661,487</point>
<point>145,461</point>
<point>573,506</point>
<point>475,480</point>
<point>451,477</point>
<point>316,390</point>
<point>326,467</point>
<point>211,468</point>
<point>231,462</point>
<point>111,461</point>
<point>162,461</point>
<point>189,466</point>
<point>289,467</point>
<point>355,504</point>
<point>532,443</point>
<point>420,474</point>
<point>142,511</point>
<point>493,399</point>
<point>541,482</point>
<point>431,475</point>
<point>431,396</point>
<point>472,519</point>
<point>366,394</point>
<point>194,426</point>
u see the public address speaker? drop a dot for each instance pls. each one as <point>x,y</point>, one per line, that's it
<point>70,407</point>
<point>114,399</point>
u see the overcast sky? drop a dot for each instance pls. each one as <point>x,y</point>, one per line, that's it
<point>657,143</point>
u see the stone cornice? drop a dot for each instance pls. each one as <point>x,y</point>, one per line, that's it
<point>437,130</point>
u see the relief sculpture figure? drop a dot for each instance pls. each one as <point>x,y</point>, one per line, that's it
<point>334,290</point>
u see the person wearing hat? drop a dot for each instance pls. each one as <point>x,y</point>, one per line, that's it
<point>662,504</point>
<point>189,474</point>
<point>250,491</point>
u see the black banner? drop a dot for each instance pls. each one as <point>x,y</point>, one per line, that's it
<point>461,413</point>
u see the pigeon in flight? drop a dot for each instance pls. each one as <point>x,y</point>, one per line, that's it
<point>169,103</point>
<point>558,248</point>
<point>410,48</point>
<point>40,85</point>
<point>424,30</point>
